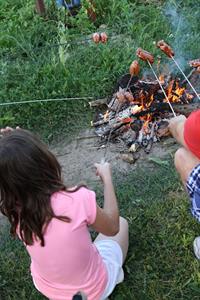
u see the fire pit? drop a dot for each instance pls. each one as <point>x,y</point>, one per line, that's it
<point>137,113</point>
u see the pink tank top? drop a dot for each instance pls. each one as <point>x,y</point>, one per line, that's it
<point>69,262</point>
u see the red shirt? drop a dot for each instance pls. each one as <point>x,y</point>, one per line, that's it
<point>192,133</point>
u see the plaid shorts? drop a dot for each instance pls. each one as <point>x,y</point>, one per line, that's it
<point>193,187</point>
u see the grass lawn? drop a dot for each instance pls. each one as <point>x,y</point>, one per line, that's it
<point>33,65</point>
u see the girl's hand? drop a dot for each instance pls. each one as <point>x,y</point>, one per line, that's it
<point>103,170</point>
<point>7,130</point>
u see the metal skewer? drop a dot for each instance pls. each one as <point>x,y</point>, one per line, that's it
<point>185,77</point>
<point>162,88</point>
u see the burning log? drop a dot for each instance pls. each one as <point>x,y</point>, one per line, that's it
<point>163,129</point>
<point>99,123</point>
<point>136,115</point>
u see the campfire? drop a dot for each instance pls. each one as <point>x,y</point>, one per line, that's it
<point>137,113</point>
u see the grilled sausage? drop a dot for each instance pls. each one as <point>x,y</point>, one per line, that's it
<point>165,48</point>
<point>96,37</point>
<point>134,68</point>
<point>195,63</point>
<point>144,55</point>
<point>104,37</point>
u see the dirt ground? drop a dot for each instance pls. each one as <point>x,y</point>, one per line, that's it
<point>77,158</point>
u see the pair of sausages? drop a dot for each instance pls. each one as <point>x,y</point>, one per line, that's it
<point>147,56</point>
<point>100,37</point>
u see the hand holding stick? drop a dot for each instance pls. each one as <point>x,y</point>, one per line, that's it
<point>103,170</point>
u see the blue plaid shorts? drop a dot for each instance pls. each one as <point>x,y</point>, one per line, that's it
<point>193,187</point>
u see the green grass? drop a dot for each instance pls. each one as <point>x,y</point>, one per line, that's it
<point>160,262</point>
<point>32,69</point>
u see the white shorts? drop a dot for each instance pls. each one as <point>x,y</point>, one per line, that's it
<point>112,256</point>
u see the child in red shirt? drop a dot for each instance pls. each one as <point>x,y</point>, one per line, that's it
<point>187,160</point>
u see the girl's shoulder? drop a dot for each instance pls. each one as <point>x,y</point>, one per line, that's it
<point>71,202</point>
<point>71,194</point>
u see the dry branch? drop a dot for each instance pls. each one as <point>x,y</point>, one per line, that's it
<point>98,102</point>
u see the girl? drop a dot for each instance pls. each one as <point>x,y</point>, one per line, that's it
<point>52,221</point>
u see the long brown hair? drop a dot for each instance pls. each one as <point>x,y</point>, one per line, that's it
<point>29,175</point>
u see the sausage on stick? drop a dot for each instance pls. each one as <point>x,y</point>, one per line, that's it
<point>145,55</point>
<point>165,48</point>
<point>134,68</point>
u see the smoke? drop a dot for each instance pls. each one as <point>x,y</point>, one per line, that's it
<point>181,32</point>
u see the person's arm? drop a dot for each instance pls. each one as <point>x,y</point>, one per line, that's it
<point>107,219</point>
<point>176,127</point>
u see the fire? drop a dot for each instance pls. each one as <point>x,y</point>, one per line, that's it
<point>162,79</point>
<point>106,116</point>
<point>142,99</point>
<point>146,123</point>
<point>174,92</point>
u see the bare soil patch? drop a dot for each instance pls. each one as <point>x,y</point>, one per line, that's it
<point>78,157</point>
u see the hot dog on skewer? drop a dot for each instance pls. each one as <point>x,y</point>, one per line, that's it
<point>103,37</point>
<point>165,48</point>
<point>96,37</point>
<point>195,63</point>
<point>145,55</point>
<point>134,68</point>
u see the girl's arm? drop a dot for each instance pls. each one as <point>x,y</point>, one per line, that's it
<point>107,219</point>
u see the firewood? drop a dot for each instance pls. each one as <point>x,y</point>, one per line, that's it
<point>98,102</point>
<point>162,107</point>
<point>129,137</point>
<point>151,139</point>
<point>98,123</point>
<point>163,129</point>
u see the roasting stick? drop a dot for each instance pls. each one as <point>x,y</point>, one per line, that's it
<point>185,77</point>
<point>162,88</point>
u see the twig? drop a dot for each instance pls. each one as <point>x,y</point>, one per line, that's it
<point>86,137</point>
